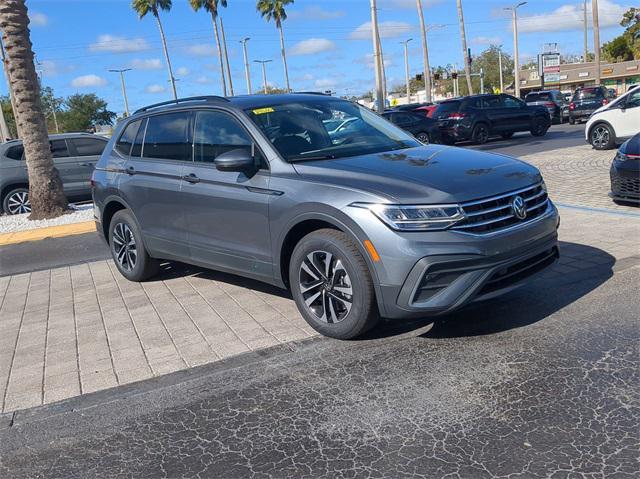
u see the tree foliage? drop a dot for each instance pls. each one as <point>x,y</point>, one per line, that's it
<point>626,46</point>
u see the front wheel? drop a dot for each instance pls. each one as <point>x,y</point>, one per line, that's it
<point>602,137</point>
<point>480,133</point>
<point>331,285</point>
<point>423,137</point>
<point>127,249</point>
<point>539,127</point>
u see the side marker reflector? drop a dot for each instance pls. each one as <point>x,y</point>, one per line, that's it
<point>372,251</point>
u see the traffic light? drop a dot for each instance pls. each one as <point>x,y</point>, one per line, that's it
<point>419,77</point>
<point>454,75</point>
<point>469,55</point>
<point>436,76</point>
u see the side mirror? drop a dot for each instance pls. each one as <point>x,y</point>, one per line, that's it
<point>239,159</point>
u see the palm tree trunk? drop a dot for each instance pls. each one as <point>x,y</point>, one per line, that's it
<point>218,46</point>
<point>6,73</point>
<point>226,57</point>
<point>465,51</point>
<point>172,79</point>
<point>45,188</point>
<point>284,58</point>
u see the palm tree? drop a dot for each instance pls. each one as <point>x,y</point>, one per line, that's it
<point>211,6</point>
<point>45,188</point>
<point>142,7</point>
<point>465,51</point>
<point>274,10</point>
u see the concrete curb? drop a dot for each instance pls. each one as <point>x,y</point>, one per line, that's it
<point>48,232</point>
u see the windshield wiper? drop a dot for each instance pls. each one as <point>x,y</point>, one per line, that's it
<point>311,158</point>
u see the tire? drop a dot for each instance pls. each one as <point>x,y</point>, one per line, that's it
<point>539,127</point>
<point>506,136</point>
<point>16,201</point>
<point>331,311</point>
<point>480,133</point>
<point>602,137</point>
<point>134,262</point>
<point>423,137</point>
<point>572,121</point>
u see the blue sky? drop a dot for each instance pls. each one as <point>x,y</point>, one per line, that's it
<point>328,42</point>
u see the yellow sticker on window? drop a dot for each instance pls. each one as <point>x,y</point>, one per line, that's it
<point>262,111</point>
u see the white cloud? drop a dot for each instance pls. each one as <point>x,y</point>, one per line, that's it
<point>146,64</point>
<point>409,4</point>
<point>368,60</point>
<point>201,50</point>
<point>38,19</point>
<point>155,88</point>
<point>389,29</point>
<point>570,17</point>
<point>88,81</point>
<point>116,44</point>
<point>203,79</point>
<point>486,41</point>
<point>182,71</point>
<point>314,12</point>
<point>49,68</point>
<point>325,82</point>
<point>312,46</point>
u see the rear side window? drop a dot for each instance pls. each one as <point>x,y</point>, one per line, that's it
<point>492,102</point>
<point>88,146</point>
<point>167,137</point>
<point>15,152</point>
<point>216,133</point>
<point>538,97</point>
<point>447,107</point>
<point>123,146</point>
<point>136,150</point>
<point>59,149</point>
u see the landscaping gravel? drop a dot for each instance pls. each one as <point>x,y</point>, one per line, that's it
<point>13,223</point>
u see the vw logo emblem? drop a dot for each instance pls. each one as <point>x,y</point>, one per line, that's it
<point>518,207</point>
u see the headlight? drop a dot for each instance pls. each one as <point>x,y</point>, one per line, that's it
<point>620,157</point>
<point>415,217</point>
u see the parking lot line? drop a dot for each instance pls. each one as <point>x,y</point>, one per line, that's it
<point>48,232</point>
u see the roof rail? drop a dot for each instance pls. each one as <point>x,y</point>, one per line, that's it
<point>209,98</point>
<point>311,93</point>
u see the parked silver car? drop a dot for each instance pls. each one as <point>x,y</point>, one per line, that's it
<point>74,155</point>
<point>357,227</point>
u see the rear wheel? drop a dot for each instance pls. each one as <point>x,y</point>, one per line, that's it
<point>423,137</point>
<point>572,121</point>
<point>480,133</point>
<point>539,127</point>
<point>331,285</point>
<point>127,249</point>
<point>602,137</point>
<point>17,202</point>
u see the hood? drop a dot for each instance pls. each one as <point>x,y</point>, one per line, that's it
<point>426,174</point>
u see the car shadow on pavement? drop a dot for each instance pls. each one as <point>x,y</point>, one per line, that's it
<point>580,270</point>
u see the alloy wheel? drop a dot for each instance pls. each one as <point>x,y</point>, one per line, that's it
<point>423,138</point>
<point>600,137</point>
<point>18,203</point>
<point>124,246</point>
<point>482,134</point>
<point>326,287</point>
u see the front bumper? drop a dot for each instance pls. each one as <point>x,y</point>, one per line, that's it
<point>625,180</point>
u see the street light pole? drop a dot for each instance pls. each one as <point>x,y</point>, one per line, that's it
<point>465,50</point>
<point>500,69</point>
<point>425,52</point>
<point>586,41</point>
<point>516,62</point>
<point>246,63</point>
<point>264,73</point>
<point>596,39</point>
<point>124,88</point>
<point>376,58</point>
<point>406,67</point>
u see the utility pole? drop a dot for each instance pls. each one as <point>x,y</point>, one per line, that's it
<point>376,58</point>
<point>406,67</point>
<point>465,51</point>
<point>500,69</point>
<point>264,73</point>
<point>246,64</point>
<point>596,39</point>
<point>586,41</point>
<point>226,57</point>
<point>516,62</point>
<point>382,69</point>
<point>51,98</point>
<point>124,88</point>
<point>425,52</point>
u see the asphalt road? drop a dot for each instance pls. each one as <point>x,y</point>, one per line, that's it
<point>541,383</point>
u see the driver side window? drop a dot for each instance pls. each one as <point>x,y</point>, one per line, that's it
<point>511,102</point>
<point>634,99</point>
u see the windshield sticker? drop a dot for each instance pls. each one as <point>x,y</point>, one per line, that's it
<point>262,111</point>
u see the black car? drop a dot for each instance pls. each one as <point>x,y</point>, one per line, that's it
<point>552,100</point>
<point>478,117</point>
<point>625,172</point>
<point>424,129</point>
<point>585,101</point>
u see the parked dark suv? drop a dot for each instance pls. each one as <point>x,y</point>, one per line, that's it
<point>585,101</point>
<point>552,100</point>
<point>74,155</point>
<point>423,128</point>
<point>478,117</point>
<point>373,224</point>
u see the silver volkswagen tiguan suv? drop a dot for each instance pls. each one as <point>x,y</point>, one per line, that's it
<point>357,226</point>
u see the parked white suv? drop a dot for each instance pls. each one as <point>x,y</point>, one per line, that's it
<point>613,123</point>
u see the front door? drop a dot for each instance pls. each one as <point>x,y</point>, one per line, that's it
<point>626,121</point>
<point>227,212</point>
<point>151,182</point>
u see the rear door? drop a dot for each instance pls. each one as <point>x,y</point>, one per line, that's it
<point>227,212</point>
<point>515,114</point>
<point>493,112</point>
<point>86,152</point>
<point>152,180</point>
<point>67,166</point>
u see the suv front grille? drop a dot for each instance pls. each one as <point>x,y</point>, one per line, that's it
<point>622,186</point>
<point>495,214</point>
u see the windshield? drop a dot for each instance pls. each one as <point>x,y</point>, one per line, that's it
<point>538,97</point>
<point>324,129</point>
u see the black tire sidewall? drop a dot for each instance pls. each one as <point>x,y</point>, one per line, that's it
<point>363,313</point>
<point>476,130</point>
<point>5,199</point>
<point>422,133</point>
<point>539,127</point>
<point>143,266</point>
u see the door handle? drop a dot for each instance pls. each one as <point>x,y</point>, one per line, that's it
<point>86,164</point>
<point>191,178</point>
<point>130,171</point>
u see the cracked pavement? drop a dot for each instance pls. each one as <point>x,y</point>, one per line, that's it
<point>543,382</point>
